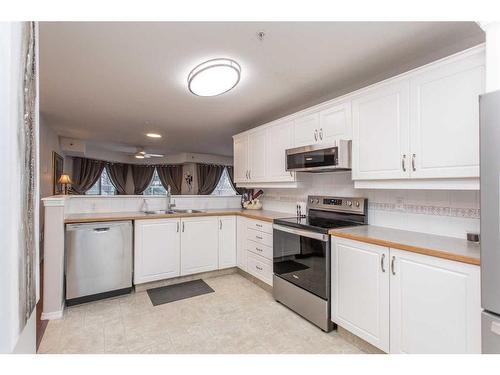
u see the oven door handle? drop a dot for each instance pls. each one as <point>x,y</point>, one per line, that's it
<point>303,233</point>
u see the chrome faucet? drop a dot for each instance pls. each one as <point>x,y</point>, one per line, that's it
<point>168,195</point>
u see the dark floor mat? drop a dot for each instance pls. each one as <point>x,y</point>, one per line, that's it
<point>171,293</point>
<point>288,266</point>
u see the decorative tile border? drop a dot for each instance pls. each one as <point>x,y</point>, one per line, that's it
<point>469,213</point>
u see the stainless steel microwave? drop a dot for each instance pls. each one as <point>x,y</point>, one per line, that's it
<point>320,158</point>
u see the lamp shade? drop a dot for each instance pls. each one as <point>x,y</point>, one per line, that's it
<point>64,179</point>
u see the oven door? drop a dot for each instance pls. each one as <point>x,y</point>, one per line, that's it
<point>302,258</point>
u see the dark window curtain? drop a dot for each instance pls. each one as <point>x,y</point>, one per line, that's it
<point>230,172</point>
<point>208,177</point>
<point>86,172</point>
<point>171,175</point>
<point>117,173</point>
<point>142,176</point>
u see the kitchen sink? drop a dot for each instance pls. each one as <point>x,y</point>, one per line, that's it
<point>160,212</point>
<point>188,211</point>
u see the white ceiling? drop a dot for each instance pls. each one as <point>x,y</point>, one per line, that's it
<point>113,82</point>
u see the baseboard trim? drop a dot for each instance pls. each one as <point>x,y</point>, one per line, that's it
<point>52,315</point>
<point>268,288</point>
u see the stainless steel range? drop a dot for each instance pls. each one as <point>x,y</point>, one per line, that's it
<point>301,247</point>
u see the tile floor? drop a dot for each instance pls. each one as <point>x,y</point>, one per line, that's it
<point>239,317</point>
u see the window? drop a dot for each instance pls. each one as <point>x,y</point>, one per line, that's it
<point>103,186</point>
<point>155,187</point>
<point>224,187</point>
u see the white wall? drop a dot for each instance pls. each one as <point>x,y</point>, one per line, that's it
<point>447,213</point>
<point>10,193</point>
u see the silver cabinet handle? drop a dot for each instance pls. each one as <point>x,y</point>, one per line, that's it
<point>392,265</point>
<point>403,159</point>
<point>413,162</point>
<point>258,237</point>
<point>183,226</point>
<point>315,134</point>
<point>258,225</point>
<point>291,174</point>
<point>382,260</point>
<point>259,268</point>
<point>250,174</point>
<point>177,227</point>
<point>260,250</point>
<point>246,174</point>
<point>321,133</point>
<point>220,224</point>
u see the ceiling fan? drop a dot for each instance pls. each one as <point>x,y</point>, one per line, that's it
<point>141,154</point>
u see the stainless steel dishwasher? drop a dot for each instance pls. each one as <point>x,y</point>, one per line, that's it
<point>98,260</point>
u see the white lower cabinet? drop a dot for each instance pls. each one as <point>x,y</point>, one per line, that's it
<point>199,244</point>
<point>360,290</point>
<point>241,238</point>
<point>403,302</point>
<point>435,305</point>
<point>227,241</point>
<point>157,250</point>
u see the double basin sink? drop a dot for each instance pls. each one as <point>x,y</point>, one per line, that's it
<point>157,212</point>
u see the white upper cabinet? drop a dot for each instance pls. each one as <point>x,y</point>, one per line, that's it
<point>227,241</point>
<point>419,130</point>
<point>444,115</point>
<point>306,130</point>
<point>335,123</point>
<point>279,139</point>
<point>435,305</point>
<point>199,245</point>
<point>360,290</point>
<point>424,125</point>
<point>240,150</point>
<point>381,132</point>
<point>257,156</point>
<point>157,249</point>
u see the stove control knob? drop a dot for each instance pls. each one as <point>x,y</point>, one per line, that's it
<point>357,203</point>
<point>311,200</point>
<point>349,203</point>
<point>316,201</point>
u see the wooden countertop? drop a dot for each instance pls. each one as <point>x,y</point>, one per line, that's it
<point>451,248</point>
<point>263,215</point>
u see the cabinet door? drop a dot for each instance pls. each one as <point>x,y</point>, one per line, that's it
<point>306,130</point>
<point>156,250</point>
<point>241,238</point>
<point>435,305</point>
<point>445,119</point>
<point>335,123</point>
<point>227,241</point>
<point>360,290</point>
<point>257,155</point>
<point>240,145</point>
<point>380,139</point>
<point>279,139</point>
<point>199,244</point>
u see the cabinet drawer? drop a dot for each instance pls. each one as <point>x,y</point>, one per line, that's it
<point>260,249</point>
<point>260,237</point>
<point>260,267</point>
<point>260,226</point>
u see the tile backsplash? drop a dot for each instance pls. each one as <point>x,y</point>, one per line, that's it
<point>442,212</point>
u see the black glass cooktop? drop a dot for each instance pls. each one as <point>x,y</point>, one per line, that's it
<point>317,224</point>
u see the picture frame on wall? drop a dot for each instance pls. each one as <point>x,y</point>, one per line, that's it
<point>57,171</point>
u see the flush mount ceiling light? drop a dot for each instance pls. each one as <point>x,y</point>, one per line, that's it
<point>153,135</point>
<point>214,77</point>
